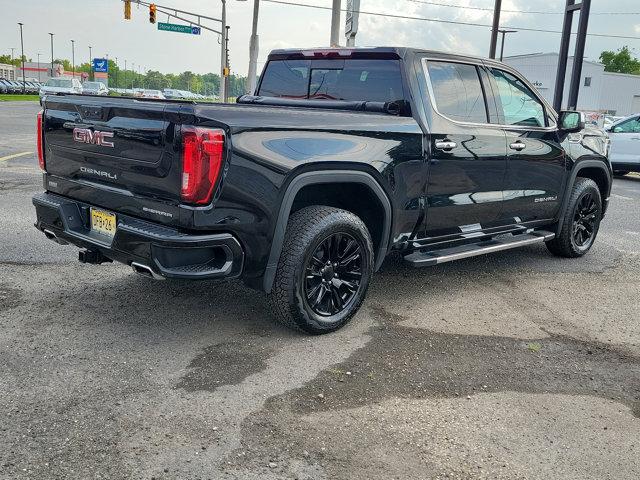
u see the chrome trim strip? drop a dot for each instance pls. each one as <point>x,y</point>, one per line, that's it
<point>434,105</point>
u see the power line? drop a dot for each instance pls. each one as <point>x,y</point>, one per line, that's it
<point>436,20</point>
<point>536,12</point>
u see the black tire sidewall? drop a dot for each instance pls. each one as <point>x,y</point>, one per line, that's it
<point>311,321</point>
<point>586,189</point>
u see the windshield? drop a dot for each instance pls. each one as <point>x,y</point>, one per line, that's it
<point>91,84</point>
<point>58,82</point>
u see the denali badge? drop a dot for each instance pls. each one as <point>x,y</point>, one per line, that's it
<point>100,173</point>
<point>92,137</point>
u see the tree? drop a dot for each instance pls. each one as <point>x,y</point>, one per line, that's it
<point>620,62</point>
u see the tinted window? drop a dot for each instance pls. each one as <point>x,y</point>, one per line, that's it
<point>350,80</point>
<point>457,91</point>
<point>516,101</point>
<point>286,78</point>
<point>630,126</point>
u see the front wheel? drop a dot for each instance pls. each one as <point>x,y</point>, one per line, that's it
<point>581,221</point>
<point>324,270</point>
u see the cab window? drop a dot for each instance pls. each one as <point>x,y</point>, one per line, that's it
<point>629,126</point>
<point>516,102</point>
<point>457,91</point>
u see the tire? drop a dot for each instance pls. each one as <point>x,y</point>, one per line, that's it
<point>581,221</point>
<point>308,289</point>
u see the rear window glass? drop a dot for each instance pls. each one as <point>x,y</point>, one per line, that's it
<point>350,80</point>
<point>457,91</point>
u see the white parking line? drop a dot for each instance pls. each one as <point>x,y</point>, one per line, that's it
<point>15,155</point>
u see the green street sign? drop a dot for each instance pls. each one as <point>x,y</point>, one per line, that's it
<point>173,27</point>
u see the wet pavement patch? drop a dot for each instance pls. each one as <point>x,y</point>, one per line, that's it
<point>415,363</point>
<point>404,364</point>
<point>9,297</point>
<point>225,364</point>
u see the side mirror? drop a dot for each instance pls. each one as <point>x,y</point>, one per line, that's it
<point>571,121</point>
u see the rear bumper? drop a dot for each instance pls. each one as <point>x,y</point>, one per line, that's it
<point>167,252</point>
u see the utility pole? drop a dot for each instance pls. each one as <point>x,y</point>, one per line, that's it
<point>90,64</point>
<point>22,58</point>
<point>253,51</point>
<point>226,60</point>
<point>335,24</point>
<point>38,54</point>
<point>12,49</point>
<point>51,34</point>
<point>223,53</point>
<point>73,58</point>
<point>115,72</point>
<point>494,29</point>
<point>503,32</point>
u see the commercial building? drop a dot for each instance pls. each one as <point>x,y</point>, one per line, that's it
<point>7,71</point>
<point>600,91</point>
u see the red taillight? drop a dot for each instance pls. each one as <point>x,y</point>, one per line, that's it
<point>202,154</point>
<point>40,140</point>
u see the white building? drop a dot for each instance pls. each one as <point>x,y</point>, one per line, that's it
<point>600,91</point>
<point>7,71</point>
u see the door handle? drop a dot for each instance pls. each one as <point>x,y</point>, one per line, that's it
<point>445,145</point>
<point>518,146</point>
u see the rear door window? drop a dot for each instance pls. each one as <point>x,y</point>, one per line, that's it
<point>457,91</point>
<point>375,80</point>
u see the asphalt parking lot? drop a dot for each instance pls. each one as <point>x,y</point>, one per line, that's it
<point>513,365</point>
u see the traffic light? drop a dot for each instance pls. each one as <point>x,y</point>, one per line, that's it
<point>225,71</point>
<point>152,13</point>
<point>127,9</point>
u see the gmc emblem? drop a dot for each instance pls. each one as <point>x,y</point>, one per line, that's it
<point>92,137</point>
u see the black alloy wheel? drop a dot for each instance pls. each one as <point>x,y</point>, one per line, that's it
<point>579,226</point>
<point>584,220</point>
<point>333,274</point>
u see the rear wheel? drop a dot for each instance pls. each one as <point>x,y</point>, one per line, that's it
<point>581,221</point>
<point>324,270</point>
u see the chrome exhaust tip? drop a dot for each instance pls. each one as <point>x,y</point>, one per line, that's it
<point>145,271</point>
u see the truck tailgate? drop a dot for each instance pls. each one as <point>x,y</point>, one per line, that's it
<point>120,145</point>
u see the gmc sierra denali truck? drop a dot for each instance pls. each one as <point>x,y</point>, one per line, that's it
<point>341,157</point>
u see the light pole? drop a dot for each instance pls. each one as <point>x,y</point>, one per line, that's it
<point>38,54</point>
<point>223,52</point>
<point>73,58</point>
<point>253,51</point>
<point>22,58</point>
<point>335,23</point>
<point>494,30</point>
<point>90,63</point>
<point>503,32</point>
<point>51,34</point>
<point>116,73</point>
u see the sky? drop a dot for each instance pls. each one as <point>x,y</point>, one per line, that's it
<point>101,24</point>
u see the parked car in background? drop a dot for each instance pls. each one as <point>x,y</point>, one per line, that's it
<point>60,85</point>
<point>625,145</point>
<point>94,88</point>
<point>4,87</point>
<point>152,94</point>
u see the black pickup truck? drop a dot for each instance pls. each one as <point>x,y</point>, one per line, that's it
<point>341,157</point>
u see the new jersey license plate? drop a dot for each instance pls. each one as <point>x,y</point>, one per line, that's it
<point>103,222</point>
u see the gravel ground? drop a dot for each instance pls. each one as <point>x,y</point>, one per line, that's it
<point>514,365</point>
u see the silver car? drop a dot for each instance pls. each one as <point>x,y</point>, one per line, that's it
<point>94,88</point>
<point>60,85</point>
